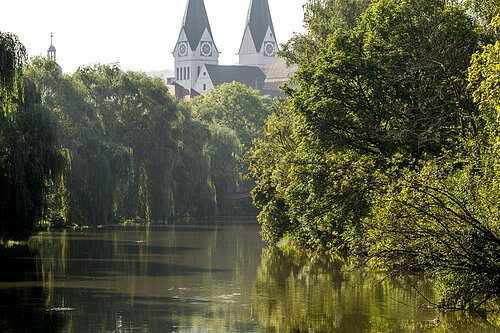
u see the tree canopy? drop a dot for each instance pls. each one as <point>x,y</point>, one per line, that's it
<point>234,106</point>
<point>387,145</point>
<point>12,58</point>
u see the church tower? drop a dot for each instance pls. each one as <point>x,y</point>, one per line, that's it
<point>51,52</point>
<point>195,46</point>
<point>259,45</point>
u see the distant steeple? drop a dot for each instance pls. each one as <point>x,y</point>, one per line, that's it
<point>51,52</point>
<point>259,20</point>
<point>196,22</point>
<point>195,46</point>
<point>259,45</point>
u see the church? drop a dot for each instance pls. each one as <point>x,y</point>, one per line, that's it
<point>196,54</point>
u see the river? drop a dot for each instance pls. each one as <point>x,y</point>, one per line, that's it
<point>210,276</point>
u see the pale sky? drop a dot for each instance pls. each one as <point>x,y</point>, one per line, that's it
<point>140,35</point>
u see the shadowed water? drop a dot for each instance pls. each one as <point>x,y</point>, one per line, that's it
<point>202,277</point>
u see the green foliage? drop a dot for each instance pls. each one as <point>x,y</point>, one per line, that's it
<point>195,192</point>
<point>487,14</point>
<point>444,222</point>
<point>30,156</point>
<point>444,219</point>
<point>268,163</point>
<point>224,150</point>
<point>321,19</point>
<point>139,118</point>
<point>382,149</point>
<point>12,58</point>
<point>133,152</point>
<point>30,160</point>
<point>387,93</point>
<point>235,115</point>
<point>484,77</point>
<point>388,85</point>
<point>313,196</point>
<point>86,197</point>
<point>235,106</point>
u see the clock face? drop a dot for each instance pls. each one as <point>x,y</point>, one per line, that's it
<point>183,49</point>
<point>206,49</point>
<point>269,49</point>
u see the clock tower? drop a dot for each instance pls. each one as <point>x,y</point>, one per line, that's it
<point>195,46</point>
<point>259,45</point>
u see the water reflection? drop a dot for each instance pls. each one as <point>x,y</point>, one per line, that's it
<point>23,302</point>
<point>203,277</point>
<point>144,279</point>
<point>296,295</point>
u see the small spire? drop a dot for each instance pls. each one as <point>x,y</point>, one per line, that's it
<point>51,52</point>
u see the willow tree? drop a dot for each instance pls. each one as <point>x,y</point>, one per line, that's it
<point>30,161</point>
<point>140,116</point>
<point>30,155</point>
<point>235,115</point>
<point>12,57</point>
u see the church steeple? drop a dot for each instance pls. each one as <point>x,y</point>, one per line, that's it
<point>195,45</point>
<point>259,45</point>
<point>51,52</point>
<point>196,22</point>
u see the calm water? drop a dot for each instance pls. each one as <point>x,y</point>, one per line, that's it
<point>201,277</point>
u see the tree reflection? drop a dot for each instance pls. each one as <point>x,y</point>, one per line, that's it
<point>295,294</point>
<point>202,278</point>
<point>23,297</point>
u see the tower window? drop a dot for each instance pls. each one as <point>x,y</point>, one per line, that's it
<point>199,70</point>
<point>204,86</point>
<point>178,75</point>
<point>184,73</point>
<point>189,73</point>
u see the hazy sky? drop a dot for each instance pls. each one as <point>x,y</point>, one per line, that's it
<point>140,34</point>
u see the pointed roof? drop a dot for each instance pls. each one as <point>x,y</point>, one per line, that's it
<point>258,21</point>
<point>195,22</point>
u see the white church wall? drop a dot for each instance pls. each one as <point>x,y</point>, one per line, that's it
<point>204,82</point>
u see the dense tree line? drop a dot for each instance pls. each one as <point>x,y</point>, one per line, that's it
<point>104,145</point>
<point>388,144</point>
<point>135,153</point>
